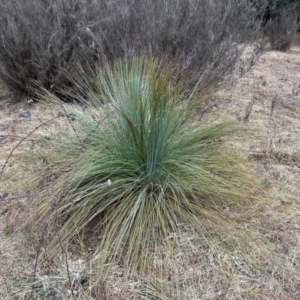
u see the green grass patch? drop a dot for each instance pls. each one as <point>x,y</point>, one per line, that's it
<point>133,171</point>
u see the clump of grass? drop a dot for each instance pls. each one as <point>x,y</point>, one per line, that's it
<point>135,169</point>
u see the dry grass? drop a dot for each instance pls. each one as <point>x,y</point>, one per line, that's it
<point>267,102</point>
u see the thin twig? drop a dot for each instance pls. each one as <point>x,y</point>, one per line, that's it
<point>3,137</point>
<point>22,140</point>
<point>13,121</point>
<point>66,258</point>
<point>42,239</point>
<point>66,114</point>
<point>83,141</point>
<point>37,255</point>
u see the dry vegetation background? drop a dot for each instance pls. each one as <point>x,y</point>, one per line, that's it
<point>267,103</point>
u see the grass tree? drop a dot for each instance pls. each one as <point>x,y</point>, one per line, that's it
<point>136,168</point>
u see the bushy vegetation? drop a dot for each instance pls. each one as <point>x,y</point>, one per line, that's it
<point>135,169</point>
<point>40,39</point>
<point>274,7</point>
<point>282,28</point>
<point>280,21</point>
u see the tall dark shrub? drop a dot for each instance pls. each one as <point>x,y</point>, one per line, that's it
<point>281,29</point>
<point>41,38</point>
<point>274,7</point>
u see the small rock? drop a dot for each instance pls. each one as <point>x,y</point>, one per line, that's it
<point>25,114</point>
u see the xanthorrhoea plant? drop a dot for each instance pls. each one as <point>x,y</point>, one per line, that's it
<point>137,168</point>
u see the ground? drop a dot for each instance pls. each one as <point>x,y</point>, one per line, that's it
<point>266,104</point>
